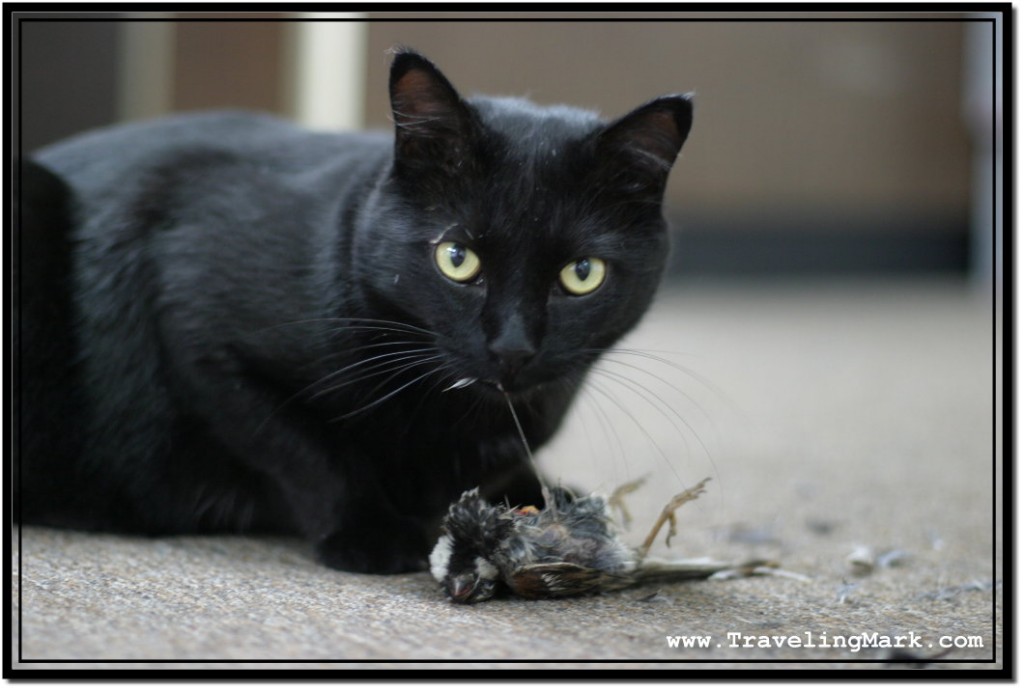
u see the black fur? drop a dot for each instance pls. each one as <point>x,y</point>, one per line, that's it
<point>215,345</point>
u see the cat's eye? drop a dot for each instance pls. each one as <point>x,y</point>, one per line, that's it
<point>583,276</point>
<point>457,262</point>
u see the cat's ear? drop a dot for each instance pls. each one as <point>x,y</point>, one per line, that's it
<point>432,122</point>
<point>641,146</point>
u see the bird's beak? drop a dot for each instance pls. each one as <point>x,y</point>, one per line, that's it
<point>462,589</point>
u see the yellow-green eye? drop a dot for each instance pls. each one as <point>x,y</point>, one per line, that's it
<point>457,262</point>
<point>583,276</point>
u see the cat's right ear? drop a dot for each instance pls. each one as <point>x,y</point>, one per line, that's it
<point>432,123</point>
<point>640,147</point>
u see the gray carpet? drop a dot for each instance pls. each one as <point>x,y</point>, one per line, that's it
<point>848,432</point>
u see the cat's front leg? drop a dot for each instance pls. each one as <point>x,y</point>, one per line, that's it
<point>334,498</point>
<point>370,534</point>
<point>364,532</point>
<point>376,542</point>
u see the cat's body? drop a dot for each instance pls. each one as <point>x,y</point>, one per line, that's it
<point>259,336</point>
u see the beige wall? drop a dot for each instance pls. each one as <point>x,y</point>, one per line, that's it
<point>229,64</point>
<point>823,116</point>
<point>795,120</point>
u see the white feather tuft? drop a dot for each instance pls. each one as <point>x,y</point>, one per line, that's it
<point>486,569</point>
<point>439,558</point>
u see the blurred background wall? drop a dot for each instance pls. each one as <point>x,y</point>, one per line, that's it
<point>846,146</point>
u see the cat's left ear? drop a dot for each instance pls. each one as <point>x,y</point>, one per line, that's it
<point>432,122</point>
<point>645,143</point>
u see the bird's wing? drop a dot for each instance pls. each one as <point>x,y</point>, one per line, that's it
<point>563,579</point>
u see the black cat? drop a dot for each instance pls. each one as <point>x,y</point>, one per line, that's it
<point>233,324</point>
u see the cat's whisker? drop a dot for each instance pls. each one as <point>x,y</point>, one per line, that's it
<point>352,328</point>
<point>573,387</point>
<point>393,367</point>
<point>608,432</point>
<point>651,356</point>
<point>367,368</point>
<point>442,371</point>
<point>692,374</point>
<point>353,323</point>
<point>381,370</point>
<point>392,394</point>
<point>640,426</point>
<point>384,322</point>
<point>661,380</point>
<point>646,394</point>
<point>474,409</point>
<point>373,341</point>
<point>401,369</point>
<point>607,425</point>
<point>332,375</point>
<point>368,346</point>
<point>545,491</point>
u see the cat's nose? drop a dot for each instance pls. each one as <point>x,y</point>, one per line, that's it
<point>512,359</point>
<point>512,350</point>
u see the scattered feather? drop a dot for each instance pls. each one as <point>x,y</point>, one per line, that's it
<point>843,591</point>
<point>892,557</point>
<point>861,560</point>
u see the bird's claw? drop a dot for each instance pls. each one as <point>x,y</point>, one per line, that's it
<point>617,499</point>
<point>668,515</point>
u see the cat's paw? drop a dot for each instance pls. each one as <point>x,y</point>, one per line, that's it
<point>401,549</point>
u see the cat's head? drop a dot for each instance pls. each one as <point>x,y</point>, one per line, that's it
<point>527,238</point>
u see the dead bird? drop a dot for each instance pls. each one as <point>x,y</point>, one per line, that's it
<point>569,548</point>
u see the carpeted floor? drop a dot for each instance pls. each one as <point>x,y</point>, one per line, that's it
<point>849,434</point>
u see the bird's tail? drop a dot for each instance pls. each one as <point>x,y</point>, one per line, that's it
<point>652,570</point>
